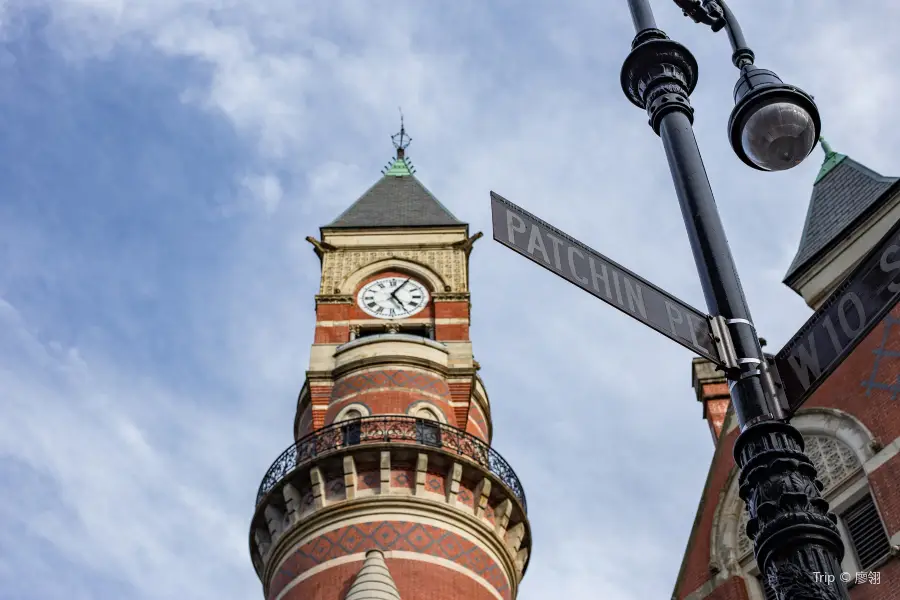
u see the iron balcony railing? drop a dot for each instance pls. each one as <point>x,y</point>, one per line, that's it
<point>392,428</point>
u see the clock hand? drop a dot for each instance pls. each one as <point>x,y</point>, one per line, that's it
<point>400,286</point>
<point>394,293</point>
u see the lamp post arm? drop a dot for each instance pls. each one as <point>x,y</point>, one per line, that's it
<point>717,15</point>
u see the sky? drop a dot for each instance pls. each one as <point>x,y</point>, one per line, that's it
<point>162,161</point>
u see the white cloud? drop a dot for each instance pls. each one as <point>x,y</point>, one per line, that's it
<point>266,188</point>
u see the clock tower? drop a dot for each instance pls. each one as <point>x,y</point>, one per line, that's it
<point>391,488</point>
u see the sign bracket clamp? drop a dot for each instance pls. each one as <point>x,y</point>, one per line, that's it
<point>724,345</point>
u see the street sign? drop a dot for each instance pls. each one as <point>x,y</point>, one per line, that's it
<point>596,274</point>
<point>846,317</point>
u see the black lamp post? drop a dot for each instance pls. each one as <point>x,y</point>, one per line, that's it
<point>773,127</point>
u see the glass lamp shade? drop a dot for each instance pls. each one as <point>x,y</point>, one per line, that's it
<point>778,135</point>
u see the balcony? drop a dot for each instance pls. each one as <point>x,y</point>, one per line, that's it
<point>392,429</point>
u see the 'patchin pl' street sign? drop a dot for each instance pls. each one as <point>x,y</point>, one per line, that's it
<point>849,314</point>
<point>591,271</point>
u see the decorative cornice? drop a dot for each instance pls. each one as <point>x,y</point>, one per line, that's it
<point>395,336</point>
<point>398,245</point>
<point>388,359</point>
<point>451,296</point>
<point>333,299</point>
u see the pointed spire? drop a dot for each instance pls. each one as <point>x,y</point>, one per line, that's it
<point>844,191</point>
<point>401,140</point>
<point>374,581</point>
<point>832,159</point>
<point>400,165</point>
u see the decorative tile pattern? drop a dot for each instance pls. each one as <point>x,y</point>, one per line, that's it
<point>434,482</point>
<point>489,513</point>
<point>334,489</point>
<point>390,535</point>
<point>368,480</point>
<point>886,353</point>
<point>466,496</point>
<point>389,378</point>
<point>403,478</point>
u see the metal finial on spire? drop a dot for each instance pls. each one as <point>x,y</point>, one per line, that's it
<point>401,140</point>
<point>826,147</point>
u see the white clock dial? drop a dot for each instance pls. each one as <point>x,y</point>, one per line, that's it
<point>393,297</point>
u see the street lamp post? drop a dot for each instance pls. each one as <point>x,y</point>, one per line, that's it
<point>773,127</point>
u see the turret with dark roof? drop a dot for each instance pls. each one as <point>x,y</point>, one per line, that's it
<point>398,199</point>
<point>844,194</point>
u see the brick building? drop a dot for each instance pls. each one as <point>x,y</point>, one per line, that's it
<point>391,479</point>
<point>851,424</point>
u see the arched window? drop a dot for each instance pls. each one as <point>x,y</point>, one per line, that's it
<point>423,412</point>
<point>352,411</point>
<point>428,428</point>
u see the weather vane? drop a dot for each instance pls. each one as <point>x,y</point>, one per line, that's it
<point>401,140</point>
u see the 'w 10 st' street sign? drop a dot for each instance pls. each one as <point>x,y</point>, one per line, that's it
<point>849,314</point>
<point>591,271</point>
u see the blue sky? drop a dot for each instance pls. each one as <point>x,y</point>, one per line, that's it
<point>161,163</point>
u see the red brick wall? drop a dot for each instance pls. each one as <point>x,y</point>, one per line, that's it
<point>427,540</point>
<point>733,589</point>
<point>461,393</point>
<point>451,332</point>
<point>319,396</point>
<point>476,423</point>
<point>696,568</point>
<point>885,484</point>
<point>846,390</point>
<point>414,579</point>
<point>888,589</point>
<point>391,391</point>
<point>451,309</point>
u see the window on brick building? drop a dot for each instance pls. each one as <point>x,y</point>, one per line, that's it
<point>867,534</point>
<point>369,331</point>
<point>428,429</point>
<point>351,430</point>
<point>419,330</point>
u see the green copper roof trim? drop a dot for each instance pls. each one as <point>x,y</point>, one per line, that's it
<point>399,168</point>
<point>832,159</point>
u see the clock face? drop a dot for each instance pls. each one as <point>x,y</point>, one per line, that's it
<point>392,297</point>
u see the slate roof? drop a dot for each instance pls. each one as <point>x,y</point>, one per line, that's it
<point>843,193</point>
<point>396,200</point>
